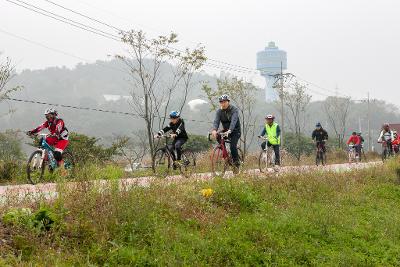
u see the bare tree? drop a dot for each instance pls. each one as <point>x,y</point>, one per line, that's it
<point>243,96</point>
<point>151,95</point>
<point>133,149</point>
<point>7,72</point>
<point>297,102</point>
<point>337,110</point>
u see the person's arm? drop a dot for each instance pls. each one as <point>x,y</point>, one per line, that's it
<point>349,141</point>
<point>263,132</point>
<point>380,136</point>
<point>164,130</point>
<point>313,135</point>
<point>180,128</point>
<point>39,128</point>
<point>326,135</point>
<point>217,120</point>
<point>278,132</point>
<point>234,119</point>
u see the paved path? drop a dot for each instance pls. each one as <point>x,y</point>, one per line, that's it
<point>49,190</point>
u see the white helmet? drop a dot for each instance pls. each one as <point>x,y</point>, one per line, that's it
<point>50,111</point>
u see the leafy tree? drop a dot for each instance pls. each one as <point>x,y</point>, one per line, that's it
<point>197,143</point>
<point>86,148</point>
<point>10,146</point>
<point>298,144</point>
<point>297,102</point>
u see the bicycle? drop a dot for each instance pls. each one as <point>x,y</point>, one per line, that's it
<point>352,154</point>
<point>42,159</point>
<point>164,160</point>
<point>362,154</point>
<point>320,154</point>
<point>386,152</point>
<point>221,159</point>
<point>266,159</point>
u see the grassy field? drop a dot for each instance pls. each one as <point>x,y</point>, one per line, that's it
<point>314,219</point>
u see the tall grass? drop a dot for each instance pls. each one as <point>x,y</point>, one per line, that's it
<point>331,219</point>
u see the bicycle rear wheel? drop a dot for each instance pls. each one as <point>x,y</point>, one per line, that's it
<point>162,162</point>
<point>35,168</point>
<point>218,163</point>
<point>188,163</point>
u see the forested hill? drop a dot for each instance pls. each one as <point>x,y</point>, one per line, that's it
<point>86,84</point>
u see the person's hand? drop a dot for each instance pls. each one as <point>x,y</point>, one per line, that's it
<point>29,133</point>
<point>156,136</point>
<point>173,135</point>
<point>228,132</point>
<point>214,134</point>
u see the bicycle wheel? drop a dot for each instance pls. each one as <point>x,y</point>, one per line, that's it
<point>188,165</point>
<point>218,163</point>
<point>35,168</point>
<point>162,162</point>
<point>323,158</point>
<point>384,154</point>
<point>263,161</point>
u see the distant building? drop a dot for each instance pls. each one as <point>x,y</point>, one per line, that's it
<point>269,62</point>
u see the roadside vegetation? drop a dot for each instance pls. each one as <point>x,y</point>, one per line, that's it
<point>319,219</point>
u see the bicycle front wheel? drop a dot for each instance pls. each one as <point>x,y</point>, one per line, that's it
<point>35,167</point>
<point>263,161</point>
<point>218,163</point>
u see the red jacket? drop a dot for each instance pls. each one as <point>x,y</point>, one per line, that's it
<point>56,128</point>
<point>354,139</point>
<point>396,141</point>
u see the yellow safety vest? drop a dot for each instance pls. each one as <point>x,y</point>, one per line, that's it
<point>272,134</point>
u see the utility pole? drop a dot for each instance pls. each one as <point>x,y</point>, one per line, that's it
<point>282,107</point>
<point>369,123</point>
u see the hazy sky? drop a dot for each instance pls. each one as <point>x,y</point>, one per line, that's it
<point>353,44</point>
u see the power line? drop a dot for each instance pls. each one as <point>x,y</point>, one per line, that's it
<point>85,16</point>
<point>226,66</point>
<point>67,21</point>
<point>57,50</point>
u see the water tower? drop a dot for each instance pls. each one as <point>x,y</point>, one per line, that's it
<point>269,62</point>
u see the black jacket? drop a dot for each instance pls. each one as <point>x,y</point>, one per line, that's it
<point>319,135</point>
<point>178,129</point>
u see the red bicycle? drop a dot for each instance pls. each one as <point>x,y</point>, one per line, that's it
<point>221,159</point>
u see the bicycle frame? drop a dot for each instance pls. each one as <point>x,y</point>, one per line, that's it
<point>45,148</point>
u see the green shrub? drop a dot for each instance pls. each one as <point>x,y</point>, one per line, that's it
<point>8,170</point>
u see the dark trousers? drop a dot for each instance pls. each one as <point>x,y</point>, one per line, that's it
<point>176,146</point>
<point>234,137</point>
<point>322,144</point>
<point>276,151</point>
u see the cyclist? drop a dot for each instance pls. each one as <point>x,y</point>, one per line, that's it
<point>356,141</point>
<point>396,142</point>
<point>58,137</point>
<point>273,132</point>
<point>228,116</point>
<point>320,135</point>
<point>386,136</point>
<point>359,134</point>
<point>177,126</point>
